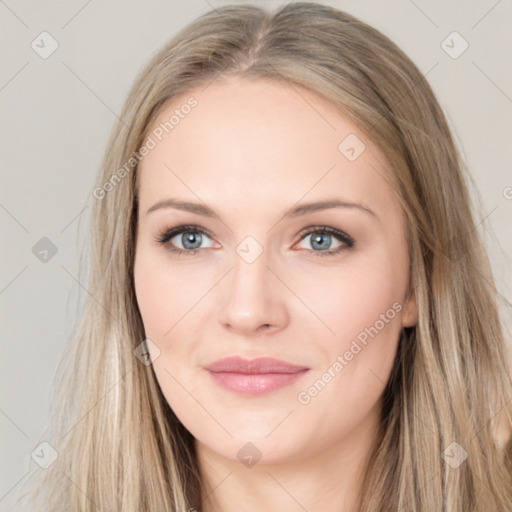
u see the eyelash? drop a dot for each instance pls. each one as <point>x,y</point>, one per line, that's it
<point>167,235</point>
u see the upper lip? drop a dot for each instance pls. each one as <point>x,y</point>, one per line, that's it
<point>260,365</point>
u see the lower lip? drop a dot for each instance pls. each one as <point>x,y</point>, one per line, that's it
<point>255,384</point>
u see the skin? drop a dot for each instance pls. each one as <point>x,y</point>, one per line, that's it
<point>250,150</point>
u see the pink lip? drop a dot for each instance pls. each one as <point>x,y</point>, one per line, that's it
<point>254,376</point>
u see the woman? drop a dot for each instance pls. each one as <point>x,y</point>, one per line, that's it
<point>290,307</point>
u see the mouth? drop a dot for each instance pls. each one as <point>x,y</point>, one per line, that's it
<point>254,377</point>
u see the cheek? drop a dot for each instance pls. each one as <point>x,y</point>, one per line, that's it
<point>173,301</point>
<point>165,297</point>
<point>358,296</point>
<point>164,293</point>
<point>362,305</point>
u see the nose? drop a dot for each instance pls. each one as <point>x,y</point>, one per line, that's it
<point>252,300</point>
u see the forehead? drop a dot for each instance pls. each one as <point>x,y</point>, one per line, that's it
<point>259,140</point>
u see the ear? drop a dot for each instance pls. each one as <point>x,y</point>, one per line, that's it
<point>410,311</point>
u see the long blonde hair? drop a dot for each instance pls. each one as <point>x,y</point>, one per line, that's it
<point>120,445</point>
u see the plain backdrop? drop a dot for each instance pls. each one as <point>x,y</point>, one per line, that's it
<point>56,115</point>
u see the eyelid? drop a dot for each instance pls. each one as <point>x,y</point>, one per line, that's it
<point>322,228</point>
<point>346,240</point>
<point>170,233</point>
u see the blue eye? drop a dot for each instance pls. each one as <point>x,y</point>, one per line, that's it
<point>321,240</point>
<point>191,238</point>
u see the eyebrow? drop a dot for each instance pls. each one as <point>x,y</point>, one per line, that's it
<point>295,211</point>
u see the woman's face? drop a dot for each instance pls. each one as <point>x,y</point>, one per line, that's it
<point>294,249</point>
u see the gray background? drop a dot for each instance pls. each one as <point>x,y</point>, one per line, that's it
<point>56,115</point>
